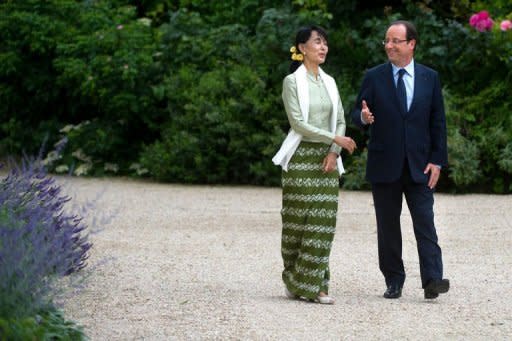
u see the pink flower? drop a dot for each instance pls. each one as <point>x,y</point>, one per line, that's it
<point>119,27</point>
<point>485,25</point>
<point>506,25</point>
<point>481,21</point>
<point>475,18</point>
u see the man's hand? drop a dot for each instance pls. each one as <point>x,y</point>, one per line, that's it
<point>435,172</point>
<point>366,114</point>
<point>329,163</point>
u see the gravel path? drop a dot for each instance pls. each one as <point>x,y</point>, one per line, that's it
<point>202,262</point>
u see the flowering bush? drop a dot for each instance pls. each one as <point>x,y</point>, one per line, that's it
<point>144,90</point>
<point>40,240</point>
<point>478,122</point>
<point>481,21</point>
<point>506,25</point>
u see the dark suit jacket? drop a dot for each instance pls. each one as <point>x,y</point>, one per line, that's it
<point>418,135</point>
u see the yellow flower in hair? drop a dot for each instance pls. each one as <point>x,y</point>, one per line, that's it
<point>298,57</point>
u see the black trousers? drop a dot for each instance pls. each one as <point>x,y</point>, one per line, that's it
<point>387,198</point>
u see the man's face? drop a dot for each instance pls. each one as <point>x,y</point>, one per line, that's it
<point>399,50</point>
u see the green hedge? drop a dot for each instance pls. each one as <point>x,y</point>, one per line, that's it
<point>190,91</point>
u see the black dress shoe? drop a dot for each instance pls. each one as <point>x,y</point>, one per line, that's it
<point>393,291</point>
<point>435,287</point>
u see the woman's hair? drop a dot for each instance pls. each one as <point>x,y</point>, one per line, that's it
<point>303,35</point>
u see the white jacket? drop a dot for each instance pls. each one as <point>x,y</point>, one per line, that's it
<point>292,141</point>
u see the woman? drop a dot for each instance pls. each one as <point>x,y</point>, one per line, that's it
<point>310,157</point>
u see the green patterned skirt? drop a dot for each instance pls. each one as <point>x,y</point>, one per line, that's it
<point>310,205</point>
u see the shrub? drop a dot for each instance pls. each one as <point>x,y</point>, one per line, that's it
<point>480,88</point>
<point>40,240</point>
<point>224,115</point>
<point>67,62</point>
<point>193,94</point>
<point>48,324</point>
<point>354,178</point>
<point>475,69</point>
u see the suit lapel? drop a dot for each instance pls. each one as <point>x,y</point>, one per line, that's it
<point>419,82</point>
<point>420,77</point>
<point>389,83</point>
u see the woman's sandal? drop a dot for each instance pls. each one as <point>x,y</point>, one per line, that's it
<point>289,294</point>
<point>324,300</point>
<point>319,299</point>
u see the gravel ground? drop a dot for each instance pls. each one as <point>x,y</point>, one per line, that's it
<point>203,262</point>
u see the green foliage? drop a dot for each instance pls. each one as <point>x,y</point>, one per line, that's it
<point>222,122</point>
<point>189,91</point>
<point>464,160</point>
<point>354,178</point>
<point>29,41</point>
<point>494,7</point>
<point>481,106</point>
<point>475,71</point>
<point>49,324</point>
<point>505,158</point>
<point>222,114</point>
<point>66,62</point>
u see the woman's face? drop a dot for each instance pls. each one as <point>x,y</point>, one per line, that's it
<point>315,49</point>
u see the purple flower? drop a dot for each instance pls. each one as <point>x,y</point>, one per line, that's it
<point>40,239</point>
<point>506,25</point>
<point>481,21</point>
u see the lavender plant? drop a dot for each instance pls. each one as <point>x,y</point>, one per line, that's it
<point>40,240</point>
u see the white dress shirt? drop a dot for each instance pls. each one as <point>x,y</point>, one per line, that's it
<point>408,78</point>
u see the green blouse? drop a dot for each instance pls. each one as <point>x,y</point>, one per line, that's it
<point>317,128</point>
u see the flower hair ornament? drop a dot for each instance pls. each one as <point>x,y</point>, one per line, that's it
<point>296,55</point>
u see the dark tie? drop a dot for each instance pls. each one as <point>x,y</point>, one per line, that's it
<point>400,90</point>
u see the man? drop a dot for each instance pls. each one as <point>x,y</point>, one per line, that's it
<point>401,104</point>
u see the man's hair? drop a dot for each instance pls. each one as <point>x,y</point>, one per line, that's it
<point>410,30</point>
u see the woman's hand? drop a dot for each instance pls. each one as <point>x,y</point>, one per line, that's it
<point>345,142</point>
<point>329,163</point>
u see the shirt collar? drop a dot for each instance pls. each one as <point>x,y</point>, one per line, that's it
<point>314,78</point>
<point>409,68</point>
